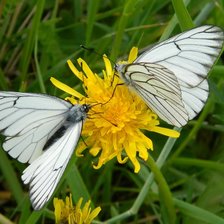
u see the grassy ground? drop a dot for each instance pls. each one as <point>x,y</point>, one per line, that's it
<point>36,39</point>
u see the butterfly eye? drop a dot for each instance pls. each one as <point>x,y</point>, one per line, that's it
<point>86,108</point>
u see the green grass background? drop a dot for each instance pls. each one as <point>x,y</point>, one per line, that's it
<point>183,180</point>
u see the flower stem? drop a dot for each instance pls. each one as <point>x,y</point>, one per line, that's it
<point>166,200</point>
<point>144,191</point>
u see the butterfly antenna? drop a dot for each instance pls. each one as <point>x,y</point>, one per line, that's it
<point>99,113</point>
<point>92,50</point>
<point>119,84</point>
<point>115,65</point>
<point>96,104</point>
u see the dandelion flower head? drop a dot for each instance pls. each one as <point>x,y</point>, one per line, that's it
<point>118,118</point>
<point>66,212</point>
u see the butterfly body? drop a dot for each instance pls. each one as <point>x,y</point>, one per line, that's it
<point>171,77</point>
<point>43,131</point>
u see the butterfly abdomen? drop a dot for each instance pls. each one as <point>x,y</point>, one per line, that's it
<point>76,114</point>
<point>58,134</point>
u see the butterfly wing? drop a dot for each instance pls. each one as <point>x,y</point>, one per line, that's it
<point>187,59</point>
<point>189,55</point>
<point>45,172</point>
<point>29,120</point>
<point>160,90</point>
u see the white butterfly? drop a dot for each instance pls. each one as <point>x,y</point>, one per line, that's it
<point>43,131</point>
<point>171,76</point>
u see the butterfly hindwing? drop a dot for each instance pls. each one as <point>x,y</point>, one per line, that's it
<point>45,172</point>
<point>160,90</point>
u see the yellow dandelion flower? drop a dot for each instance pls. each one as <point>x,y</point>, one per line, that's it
<point>117,122</point>
<point>66,212</point>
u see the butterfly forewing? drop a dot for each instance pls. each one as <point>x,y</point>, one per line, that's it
<point>189,55</point>
<point>31,120</point>
<point>177,92</point>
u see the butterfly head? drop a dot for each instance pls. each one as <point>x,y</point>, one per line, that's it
<point>85,108</point>
<point>78,112</point>
<point>121,69</point>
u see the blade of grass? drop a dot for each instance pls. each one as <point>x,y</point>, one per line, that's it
<point>198,213</point>
<point>143,21</point>
<point>29,44</point>
<point>77,7</point>
<point>25,211</point>
<point>172,24</point>
<point>192,134</point>
<point>11,27</point>
<point>3,81</point>
<point>11,177</point>
<point>39,74</point>
<point>91,18</point>
<point>199,163</point>
<point>34,217</point>
<point>194,130</point>
<point>205,12</point>
<point>3,28</point>
<point>127,12</point>
<point>5,220</point>
<point>182,14</point>
<point>77,185</point>
<point>2,5</point>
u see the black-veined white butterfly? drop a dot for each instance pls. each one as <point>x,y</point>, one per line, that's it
<point>171,76</point>
<point>42,130</point>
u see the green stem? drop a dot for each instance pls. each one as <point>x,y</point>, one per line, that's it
<point>164,191</point>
